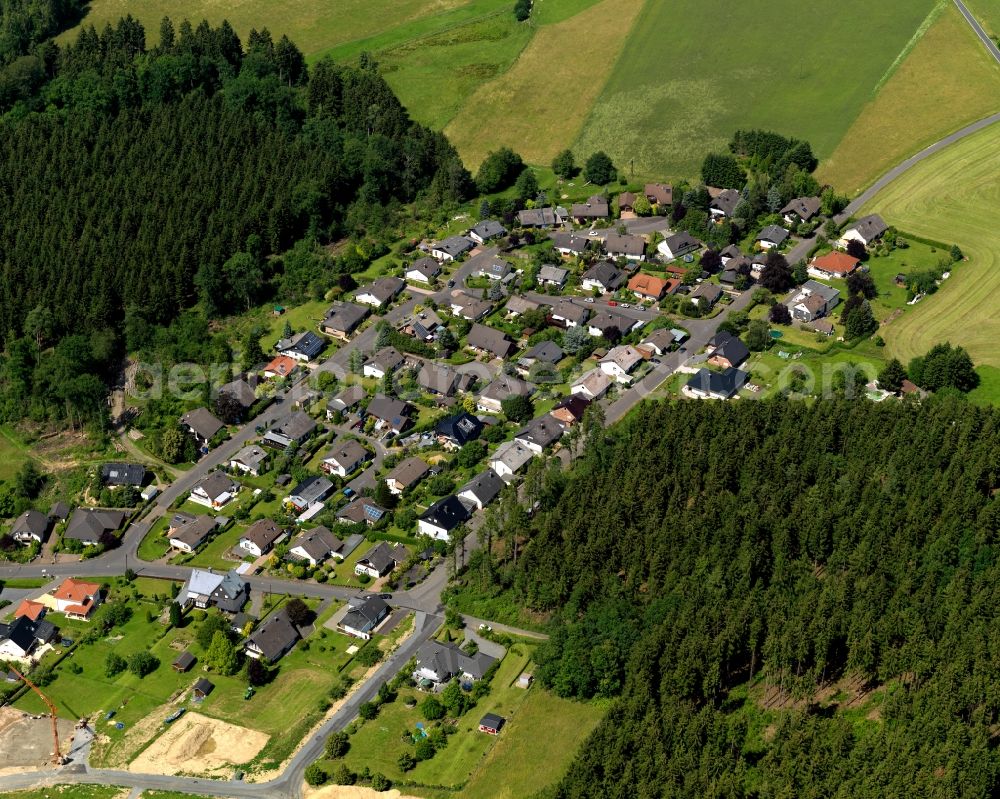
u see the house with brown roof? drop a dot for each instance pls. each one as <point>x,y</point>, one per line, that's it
<point>723,206</point>
<point>260,537</point>
<point>187,531</point>
<point>659,193</point>
<point>648,287</point>
<point>595,208</point>
<point>631,248</point>
<point>344,457</point>
<point>490,341</point>
<point>833,265</point>
<point>406,474</point>
<point>570,410</point>
<point>202,424</point>
<point>503,387</point>
<point>801,209</point>
<point>343,319</point>
<point>316,545</point>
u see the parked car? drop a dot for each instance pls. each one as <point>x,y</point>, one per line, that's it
<point>451,284</point>
<point>612,303</point>
<point>626,305</point>
<point>349,492</point>
<point>588,299</point>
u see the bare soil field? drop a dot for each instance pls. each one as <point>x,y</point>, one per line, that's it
<point>196,744</point>
<point>26,742</point>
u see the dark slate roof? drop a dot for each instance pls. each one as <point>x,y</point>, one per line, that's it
<point>606,273</point>
<point>346,316</point>
<point>492,721</point>
<point>383,289</point>
<point>409,472</point>
<point>682,242</point>
<point>389,409</point>
<point>184,661</point>
<point>570,242</point>
<point>543,431</point>
<point>275,636</point>
<point>803,207</point>
<point>493,341</point>
<point>22,632</point>
<point>263,533</point>
<point>346,453</point>
<point>627,245</point>
<point>446,513</point>
<point>385,557</point>
<point>489,229</point>
<point>460,428</point>
<point>537,217</point>
<point>447,660</point>
<point>362,509</point>
<point>31,522</point>
<point>204,687</point>
<point>295,426</point>
<point>216,483</point>
<point>123,474</point>
<point>870,227</point>
<point>347,398</point>
<point>546,351</point>
<point>574,404</point>
<point>727,201</point>
<point>194,531</point>
<point>731,348</point>
<point>306,343</point>
<point>455,246</point>
<point>727,382</point>
<point>312,489</point>
<point>203,422</point>
<point>774,233</point>
<point>427,267</point>
<point>89,525</point>
<point>485,486</point>
<point>365,613</point>
<point>241,391</point>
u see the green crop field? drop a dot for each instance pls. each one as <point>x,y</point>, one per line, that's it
<point>69,792</point>
<point>952,197</point>
<point>948,75</point>
<point>696,70</point>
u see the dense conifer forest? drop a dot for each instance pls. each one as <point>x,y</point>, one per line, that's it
<point>136,182</point>
<point>702,556</point>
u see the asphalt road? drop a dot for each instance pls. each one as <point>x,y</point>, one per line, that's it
<point>988,43</point>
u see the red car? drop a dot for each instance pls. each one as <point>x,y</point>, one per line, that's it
<point>612,303</point>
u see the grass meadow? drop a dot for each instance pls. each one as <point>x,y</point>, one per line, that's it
<point>948,75</point>
<point>696,70</point>
<point>952,197</point>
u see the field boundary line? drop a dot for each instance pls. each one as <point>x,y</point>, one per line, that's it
<point>918,34</point>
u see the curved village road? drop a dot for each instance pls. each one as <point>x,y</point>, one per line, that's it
<point>425,598</point>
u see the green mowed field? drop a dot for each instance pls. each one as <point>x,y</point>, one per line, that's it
<point>685,81</point>
<point>952,197</point>
<point>948,75</point>
<point>68,792</point>
<point>988,14</point>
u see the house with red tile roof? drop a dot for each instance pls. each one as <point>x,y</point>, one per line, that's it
<point>76,598</point>
<point>33,610</point>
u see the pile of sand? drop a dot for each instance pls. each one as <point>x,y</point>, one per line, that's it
<point>353,792</point>
<point>196,744</point>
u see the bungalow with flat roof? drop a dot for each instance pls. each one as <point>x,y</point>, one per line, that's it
<point>343,319</point>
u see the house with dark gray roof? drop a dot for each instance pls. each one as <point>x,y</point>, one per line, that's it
<point>309,492</point>
<point>540,217</point>
<point>727,350</point>
<point>364,614</point>
<point>240,390</point>
<point>482,489</point>
<point>123,474</point>
<point>381,292</point>
<point>468,307</point>
<point>569,245</point>
<point>273,639</point>
<point>344,457</point>
<point>866,230</point>
<point>458,430</point>
<point>544,353</point>
<point>452,248</point>
<point>89,525</point>
<point>510,458</point>
<point>442,517</point>
<point>772,237</point>
<point>801,209</point>
<point>540,433</point>
<point>723,206</point>
<point>705,295</point>
<point>390,413</point>
<point>568,314</point>
<point>678,245</point>
<point>423,270</point>
<point>595,208</point>
<point>497,269</point>
<point>604,277</point>
<point>486,230</point>
<point>29,527</point>
<point>381,559</point>
<point>202,424</point>
<point>207,588</point>
<point>632,248</point>
<point>187,532</point>
<point>361,509</point>
<point>707,384</point>
<point>343,319</point>
<point>610,323</point>
<point>293,429</point>
<point>549,275</point>
<point>491,341</point>
<point>439,662</point>
<point>304,346</point>
<point>316,545</point>
<point>214,490</point>
<point>437,378</point>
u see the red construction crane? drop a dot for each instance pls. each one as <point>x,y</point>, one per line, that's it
<point>57,757</point>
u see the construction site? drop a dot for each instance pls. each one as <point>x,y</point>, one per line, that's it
<point>26,740</point>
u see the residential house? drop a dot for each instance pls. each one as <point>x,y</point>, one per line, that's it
<point>206,588</point>
<point>361,509</point>
<point>593,385</point>
<point>315,546</point>
<point>344,457</point>
<point>202,424</point>
<point>490,341</point>
<point>440,662</point>
<point>381,559</point>
<point>518,305</point>
<point>540,433</point>
<point>406,474</point>
<point>801,209</point>
<point>727,350</point>
<point>491,724</point>
<point>187,531</point>
<point>813,300</point>
<point>626,202</point>
<point>292,430</point>
<point>707,384</point>
<point>304,346</point>
<point>30,527</point>
<point>273,639</point>
<point>364,614</point>
<point>497,270</point>
<point>438,378</point>
<point>450,249</point>
<point>19,638</point>
<point>772,237</point>
<point>866,230</point>
<point>241,391</point>
<point>456,431</point>
<point>343,319</point>
<point>604,277</point>
<point>540,217</point>
<point>620,362</point>
<point>678,245</point>
<point>423,325</point>
<point>487,230</point>
<point>570,410</point>
<point>89,526</point>
<point>123,474</point>
<point>442,517</point>
<point>648,287</point>
<point>611,324</point>
<point>545,354</point>
<point>308,493</point>
<point>77,598</point>
<point>824,326</point>
<point>260,537</point>
<point>595,208</point>
<point>503,387</point>
<point>346,401</point>
<point>510,458</point>
<point>391,415</point>
<point>482,489</point>
<point>423,270</point>
<point>550,275</point>
<point>658,342</point>
<point>631,248</point>
<point>833,265</point>
<point>723,206</point>
<point>730,252</point>
<point>740,265</point>
<point>468,307</point>
<point>659,194</point>
<point>33,610</point>
<point>214,490</point>
<point>570,245</point>
<point>381,292</point>
<point>705,295</point>
<point>280,368</point>
<point>566,313</point>
<point>252,459</point>
<point>386,361</point>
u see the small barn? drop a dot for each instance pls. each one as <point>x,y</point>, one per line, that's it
<point>203,688</point>
<point>491,723</point>
<point>184,662</point>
